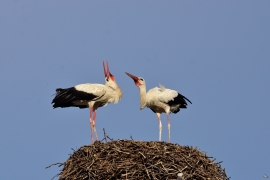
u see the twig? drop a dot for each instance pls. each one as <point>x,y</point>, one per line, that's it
<point>61,164</point>
<point>105,135</point>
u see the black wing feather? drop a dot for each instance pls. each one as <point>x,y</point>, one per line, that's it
<point>178,102</point>
<point>66,97</point>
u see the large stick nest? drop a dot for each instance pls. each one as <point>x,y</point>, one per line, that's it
<point>129,159</point>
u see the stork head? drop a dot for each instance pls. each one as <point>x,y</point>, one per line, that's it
<point>137,80</point>
<point>107,73</point>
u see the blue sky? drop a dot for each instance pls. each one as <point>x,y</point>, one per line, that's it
<point>216,53</point>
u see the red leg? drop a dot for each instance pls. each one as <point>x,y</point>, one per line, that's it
<point>160,126</point>
<point>169,127</point>
<point>94,119</point>
<point>91,125</point>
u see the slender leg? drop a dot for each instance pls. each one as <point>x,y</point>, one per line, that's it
<point>169,127</point>
<point>94,119</point>
<point>160,126</point>
<point>91,125</point>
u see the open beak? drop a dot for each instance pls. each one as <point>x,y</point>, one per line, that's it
<point>135,78</point>
<point>107,73</point>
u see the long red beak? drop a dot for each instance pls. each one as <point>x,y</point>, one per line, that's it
<point>135,78</point>
<point>107,72</point>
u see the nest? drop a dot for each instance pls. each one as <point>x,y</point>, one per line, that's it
<point>129,159</point>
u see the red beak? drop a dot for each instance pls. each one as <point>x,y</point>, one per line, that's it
<point>135,78</point>
<point>107,71</point>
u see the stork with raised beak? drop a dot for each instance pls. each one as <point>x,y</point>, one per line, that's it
<point>160,100</point>
<point>90,96</point>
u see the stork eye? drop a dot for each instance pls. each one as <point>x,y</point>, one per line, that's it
<point>141,79</point>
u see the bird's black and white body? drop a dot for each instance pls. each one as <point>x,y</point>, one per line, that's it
<point>160,100</point>
<point>90,96</point>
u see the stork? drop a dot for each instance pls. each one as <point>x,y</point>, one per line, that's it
<point>90,96</point>
<point>160,100</point>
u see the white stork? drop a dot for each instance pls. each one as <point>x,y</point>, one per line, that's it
<point>90,96</point>
<point>160,100</point>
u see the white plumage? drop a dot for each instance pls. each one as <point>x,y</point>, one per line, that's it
<point>166,95</point>
<point>180,176</point>
<point>96,89</point>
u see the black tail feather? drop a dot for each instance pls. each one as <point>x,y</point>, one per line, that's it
<point>178,102</point>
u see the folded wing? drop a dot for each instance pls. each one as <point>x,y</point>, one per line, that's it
<point>78,96</point>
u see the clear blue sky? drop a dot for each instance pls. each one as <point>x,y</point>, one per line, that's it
<point>216,53</point>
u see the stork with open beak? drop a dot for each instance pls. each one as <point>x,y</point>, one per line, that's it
<point>160,100</point>
<point>90,96</point>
